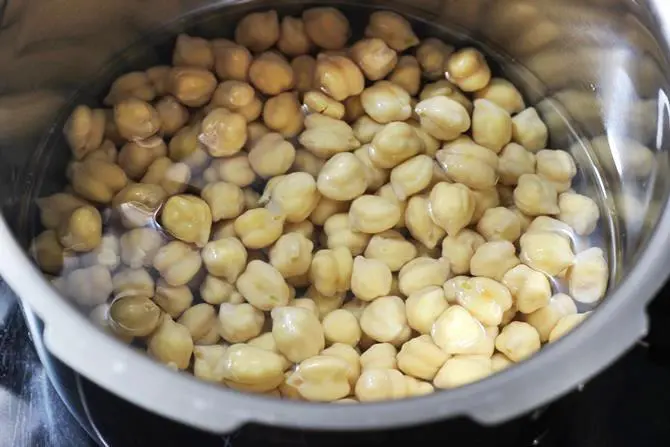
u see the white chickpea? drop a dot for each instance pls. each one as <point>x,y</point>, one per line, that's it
<point>468,163</point>
<point>456,331</point>
<point>391,248</point>
<point>491,125</point>
<point>325,136</point>
<point>386,191</point>
<point>322,379</point>
<point>271,155</point>
<point>460,248</point>
<point>282,113</point>
<point>448,90</point>
<point>297,332</point>
<point>534,195</point>
<point>324,304</point>
<point>338,233</point>
<point>325,209</point>
<point>531,290</point>
<point>231,61</point>
<point>293,39</point>
<point>370,278</point>
<point>381,384</point>
<point>549,253</point>
<point>499,362</point>
<point>89,286</point>
<point>172,300</point>
<point>342,177</point>
<point>132,282</point>
<point>177,263</point>
<point>504,93</point>
<point>499,224</point>
<point>430,143</point>
<point>421,358</point>
<point>485,299</point>
<point>341,326</point>
<point>199,320</point>
<point>557,167</point>
<point>350,355</point>
<point>379,356</point>
<point>419,221</point>
<point>259,228</point>
<point>327,27</point>
<point>295,196</point>
<point>373,214</point>
<point>375,177</point>
<point>424,307</point>
<point>587,277</point>
<point>432,55</point>
<point>442,117</point>
<point>330,271</point>
<point>374,57</point>
<point>250,368</point>
<point>468,69</point>
<point>318,102</point>
<point>461,370</point>
<point>365,129</point>
<point>214,290</point>
<point>225,257</point>
<point>393,144</point>
<point>518,341</point>
<point>422,272</point>
<point>578,211</point>
<point>407,74</point>
<point>263,286</point>
<point>494,259</point>
<point>188,218</point>
<point>546,318</point>
<point>411,176</point>
<point>514,161</point>
<point>529,130</point>
<point>271,74</point>
<point>566,324</point>
<point>338,76</point>
<point>451,206</point>
<point>291,255</point>
<point>452,286</point>
<point>225,200</point>
<point>384,319</point>
<point>258,31</point>
<point>171,344</point>
<point>393,29</point>
<point>385,102</point>
<point>206,361</point>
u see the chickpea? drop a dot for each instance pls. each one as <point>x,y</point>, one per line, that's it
<point>81,231</point>
<point>293,39</point>
<point>272,155</point>
<point>338,76</point>
<point>307,162</point>
<point>258,31</point>
<point>283,114</point>
<point>518,341</point>
<point>412,176</point>
<point>379,356</point>
<point>565,325</point>
<point>373,214</point>
<point>259,228</point>
<point>451,207</point>
<point>385,102</point>
<point>384,319</point>
<point>326,136</point>
<point>271,74</point>
<point>214,290</point>
<point>375,177</point>
<point>443,118</point>
<point>556,167</point>
<point>424,306</point>
<point>503,93</point>
<point>331,270</point>
<point>206,363</point>
<point>48,252</point>
<point>587,277</point>
<point>199,320</point>
<point>391,248</point>
<point>393,29</point>
<point>223,133</point>
<point>421,358</point>
<point>420,223</point>
<point>544,320</point>
<point>468,69</point>
<point>549,253</point>
<point>534,196</point>
<point>422,272</point>
<point>407,74</point>
<point>456,331</point>
<point>89,286</point>
<point>448,90</point>
<point>432,55</point>
<point>341,326</point>
<point>84,130</point>
<point>263,286</point>
<point>342,177</point>
<point>499,224</point>
<point>327,208</point>
<point>231,61</point>
<point>250,368</point>
<point>529,130</point>
<point>297,333</point>
<point>393,144</point>
<point>225,257</point>
<point>193,87</point>
<point>514,161</point>
<point>494,259</point>
<point>225,200</point>
<point>135,157</point>
<point>327,27</point>
<point>350,355</point>
<point>172,177</point>
<point>193,52</point>
<point>136,119</point>
<point>188,218</point>
<point>353,109</point>
<point>158,77</point>
<point>578,211</point>
<point>172,300</point>
<point>97,180</point>
<point>56,207</point>
<point>460,248</point>
<point>171,343</point>
<point>549,224</point>
<point>461,370</point>
<point>304,68</point>
<point>370,279</point>
<point>381,384</point>
<point>136,84</point>
<point>295,196</point>
<point>291,255</point>
<point>491,125</point>
<point>485,299</point>
<point>233,95</point>
<point>318,102</point>
<point>132,282</point>
<point>177,263</point>
<point>139,246</point>
<point>185,143</point>
<point>338,233</point>
<point>386,191</point>
<point>365,129</point>
<point>322,379</point>
<point>239,322</point>
<point>374,57</point>
<point>531,290</point>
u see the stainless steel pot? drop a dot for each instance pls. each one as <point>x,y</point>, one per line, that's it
<point>602,65</point>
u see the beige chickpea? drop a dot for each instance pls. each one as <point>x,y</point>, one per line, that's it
<point>370,279</point>
<point>48,252</point>
<point>384,319</point>
<point>338,76</point>
<point>456,331</point>
<point>225,200</point>
<point>321,379</point>
<point>503,93</point>
<point>514,161</point>
<point>407,74</point>
<point>326,136</point>
<point>341,326</point>
<point>250,368</point>
<point>421,358</point>
<point>494,259</point>
<point>338,233</point>
<point>136,119</point>
<point>214,290</point>
<point>342,177</point>
<point>448,90</point>
<point>391,248</point>
<point>259,228</point>
<point>468,163</point>
<point>485,299</point>
<point>531,290</point>
<point>223,229</point>
<point>172,177</point>
<point>411,176</point>
<point>199,320</point>
<point>231,61</point>
<point>547,252</point>
<point>393,29</point>
<point>518,341</point>
<point>578,211</point>
<point>491,125</point>
<point>350,355</point>
<point>84,130</point>
<point>171,344</point>
<point>206,362</point>
<point>468,69</point>
<point>381,384</point>
<point>192,52</point>
<point>97,180</point>
<point>324,304</point>
<point>424,307</point>
<point>375,177</point>
<point>158,77</point>
<point>136,84</point>
<point>374,57</point>
<point>307,162</point>
<point>271,155</point>
<point>356,307</point>
<point>177,263</point>
<point>225,258</point>
<point>223,133</point>
<point>192,86</point>
<point>462,370</point>
<point>422,272</point>
<point>379,356</point>
<point>263,286</point>
<point>432,55</point>
<point>297,332</point>
<point>353,109</point>
<point>81,231</point>
<point>451,206</point>
<point>549,224</point>
<point>430,144</point>
<point>386,191</point>
<point>556,167</point>
<point>393,144</point>
<point>133,282</point>
<point>233,95</point>
<point>566,324</point>
<point>291,255</point>
<point>282,113</point>
<point>365,129</point>
<point>188,218</point>
<point>529,130</point>
<point>420,224</point>
<point>184,144</point>
<point>442,117</point>
<point>499,224</point>
<point>239,322</point>
<point>373,214</point>
<point>258,31</point>
<point>139,246</point>
<point>587,277</point>
<point>499,362</point>
<point>318,102</point>
<point>327,27</point>
<point>460,248</point>
<point>327,208</point>
<point>135,157</point>
<point>56,207</point>
<point>295,197</point>
<point>534,195</point>
<point>330,271</point>
<point>173,300</point>
<point>271,74</point>
<point>293,39</point>
<point>544,320</point>
<point>304,68</point>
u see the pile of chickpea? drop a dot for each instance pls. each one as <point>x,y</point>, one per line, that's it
<point>408,200</point>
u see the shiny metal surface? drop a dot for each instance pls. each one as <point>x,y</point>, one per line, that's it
<point>594,68</point>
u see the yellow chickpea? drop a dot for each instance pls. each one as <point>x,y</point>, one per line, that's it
<point>385,102</point>
<point>177,263</point>
<point>456,331</point>
<point>499,224</point>
<point>420,223</point>
<point>258,31</point>
<point>135,157</point>
<point>84,130</point>
<point>327,27</point>
<point>370,278</point>
<point>412,176</point>
<point>304,67</point>
<point>384,320</point>
<point>239,322</point>
<point>338,233</point>
<point>407,74</point>
<point>547,252</point>
<point>529,130</point>
<point>491,125</point>
<point>325,136</point>
<point>81,231</point>
<point>307,162</point>
<point>192,86</point>
<point>421,358</point>
<point>291,255</point>
<point>297,332</point>
<point>432,55</point>
<point>293,39</point>
<point>158,77</point>
<point>225,200</point>
<point>97,180</point>
<point>374,57</point>
<point>338,77</point>
<point>556,167</point>
<point>468,69</point>
<point>187,218</point>
<point>283,114</point>
<point>451,206</point>
<point>135,84</point>
<point>461,370</point>
<point>172,300</point>
<point>535,196</point>
<point>171,344</point>
<point>391,248</point>
<point>259,228</point>
<point>225,257</point>
<point>295,196</point>
<point>263,286</point>
<point>272,155</point>
<point>504,94</point>
<point>173,116</point>
<point>365,128</point>
<point>423,308</point>
<point>323,304</point>
<point>48,252</point>
<point>422,272</point>
<point>342,177</point>
<point>250,368</point>
<point>172,177</point>
<point>231,61</point>
<point>327,208</point>
<point>271,74</point>
<point>223,133</point>
<point>373,214</point>
<point>518,341</point>
<point>321,379</point>
<point>56,207</point>
<point>136,119</point>
<point>192,52</point>
<point>393,29</point>
<point>393,144</point>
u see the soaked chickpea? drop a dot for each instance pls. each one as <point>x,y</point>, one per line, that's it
<point>468,69</point>
<point>199,320</point>
<point>534,196</point>
<point>531,290</point>
<point>350,355</point>
<point>134,282</point>
<point>271,155</point>
<point>391,248</point>
<point>375,177</point>
<point>504,94</point>
<point>325,209</point>
<point>330,272</point>
<point>193,52</point>
<point>384,319</point>
<point>271,74</point>
<point>421,358</point>
<point>460,248</point>
<point>379,356</point>
<point>139,246</point>
<point>556,167</point>
<point>381,384</point>
<point>295,196</point>
<point>365,129</point>
<point>498,224</point>
<point>338,76</point>
<point>291,255</point>
<point>393,29</point>
<point>407,74</point>
<point>461,370</point>
<point>136,119</point>
<point>322,379</point>
<point>177,263</point>
<point>327,27</point>
<point>432,55</point>
<point>587,277</point>
<point>231,61</point>
<point>306,161</point>
<point>135,157</point>
<point>386,191</point>
<point>158,77</point>
<point>419,221</point>
<point>81,231</point>
<point>48,252</point>
<point>171,344</point>
<point>514,161</point>
<point>136,84</point>
<point>370,279</point>
<point>97,180</point>
<point>451,206</point>
<point>518,341</point>
<point>374,57</point>
<point>258,31</point>
<point>304,67</point>
<point>442,117</point>
<point>214,290</point>
<point>373,214</point>
<point>342,177</point>
<point>56,207</point>
<point>193,87</point>
<point>422,272</point>
<point>252,368</point>
<point>578,211</point>
<point>424,307</point>
<point>239,322</point>
<point>565,325</point>
<point>448,90</point>
<point>494,259</point>
<point>282,113</point>
<point>338,233</point>
<point>321,103</point>
<point>173,300</point>
<point>385,102</point>
<point>293,39</point>
<point>84,130</point>
<point>468,163</point>
<point>341,326</point>
<point>324,304</point>
<point>297,332</point>
<point>353,109</point>
<point>263,286</point>
<point>491,125</point>
<point>225,200</point>
<point>393,144</point>
<point>546,252</point>
<point>326,136</point>
<point>456,331</point>
<point>206,362</point>
<point>529,130</point>
<point>223,133</point>
<point>172,177</point>
<point>187,218</point>
<point>225,258</point>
